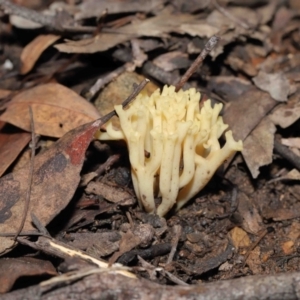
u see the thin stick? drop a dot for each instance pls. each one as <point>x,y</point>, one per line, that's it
<point>177,229</point>
<point>212,42</point>
<point>287,154</point>
<point>31,169</point>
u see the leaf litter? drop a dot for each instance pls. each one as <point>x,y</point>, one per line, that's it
<point>86,200</point>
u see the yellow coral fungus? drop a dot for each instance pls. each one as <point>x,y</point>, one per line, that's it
<point>181,140</point>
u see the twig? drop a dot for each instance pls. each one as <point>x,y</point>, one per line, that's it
<point>31,169</point>
<point>62,250</point>
<point>173,278</point>
<point>39,226</point>
<point>212,42</point>
<point>287,154</point>
<point>177,229</point>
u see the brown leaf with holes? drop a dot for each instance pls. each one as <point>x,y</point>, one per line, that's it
<point>55,179</point>
<point>12,269</point>
<point>12,142</point>
<point>34,50</point>
<point>56,110</point>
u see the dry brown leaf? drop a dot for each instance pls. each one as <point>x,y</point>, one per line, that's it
<point>158,26</point>
<point>139,235</point>
<point>286,114</point>
<point>56,110</point>
<point>34,50</point>
<point>191,6</point>
<point>12,142</point>
<point>203,29</point>
<point>12,269</point>
<point>55,179</point>
<point>95,8</point>
<point>243,14</point>
<point>288,247</point>
<point>245,112</point>
<point>281,213</point>
<point>251,219</point>
<point>276,84</point>
<point>294,174</point>
<point>228,87</point>
<point>294,231</point>
<point>239,238</point>
<point>103,243</point>
<point>110,193</point>
<point>23,23</point>
<point>171,61</point>
<point>4,93</point>
<point>118,90</point>
<point>254,261</point>
<point>291,142</point>
<point>258,146</point>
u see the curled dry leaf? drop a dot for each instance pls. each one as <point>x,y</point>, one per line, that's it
<point>12,142</point>
<point>23,23</point>
<point>55,179</point>
<point>251,219</point>
<point>56,110</point>
<point>34,49</point>
<point>258,146</point>
<point>12,269</point>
